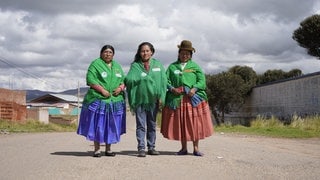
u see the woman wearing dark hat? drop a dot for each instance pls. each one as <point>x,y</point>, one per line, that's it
<point>186,115</point>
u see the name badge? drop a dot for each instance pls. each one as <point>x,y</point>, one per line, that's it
<point>118,75</point>
<point>104,74</point>
<point>177,72</point>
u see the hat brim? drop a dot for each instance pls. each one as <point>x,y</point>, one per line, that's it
<point>189,49</point>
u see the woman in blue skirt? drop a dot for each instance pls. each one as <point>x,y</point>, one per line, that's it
<point>103,113</point>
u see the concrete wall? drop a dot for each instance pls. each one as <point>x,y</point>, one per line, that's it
<point>282,99</point>
<point>40,114</point>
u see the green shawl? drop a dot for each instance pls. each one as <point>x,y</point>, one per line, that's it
<point>109,78</point>
<point>191,76</point>
<point>146,88</point>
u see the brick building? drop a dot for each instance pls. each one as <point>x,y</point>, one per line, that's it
<point>13,105</point>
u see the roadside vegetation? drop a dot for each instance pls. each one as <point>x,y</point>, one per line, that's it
<point>308,127</point>
<point>31,126</point>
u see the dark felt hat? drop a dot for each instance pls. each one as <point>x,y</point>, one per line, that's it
<point>186,45</point>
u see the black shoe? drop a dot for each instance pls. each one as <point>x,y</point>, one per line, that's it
<point>153,152</point>
<point>110,153</point>
<point>141,153</point>
<point>197,153</point>
<point>182,152</point>
<point>96,154</point>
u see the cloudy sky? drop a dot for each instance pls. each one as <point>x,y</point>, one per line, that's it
<point>48,45</point>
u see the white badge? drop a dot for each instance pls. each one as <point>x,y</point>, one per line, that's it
<point>177,72</point>
<point>118,75</point>
<point>104,74</point>
<point>143,74</point>
<point>156,69</point>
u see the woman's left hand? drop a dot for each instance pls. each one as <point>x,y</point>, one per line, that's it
<point>192,92</point>
<point>117,91</point>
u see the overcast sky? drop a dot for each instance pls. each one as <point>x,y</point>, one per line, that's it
<point>48,45</point>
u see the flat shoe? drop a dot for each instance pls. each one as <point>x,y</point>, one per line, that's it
<point>96,154</point>
<point>197,153</point>
<point>110,153</point>
<point>182,152</point>
<point>141,153</point>
<point>153,152</point>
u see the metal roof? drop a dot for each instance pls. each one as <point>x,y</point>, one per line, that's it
<point>57,98</point>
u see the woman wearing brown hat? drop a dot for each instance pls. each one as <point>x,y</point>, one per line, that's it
<point>186,115</point>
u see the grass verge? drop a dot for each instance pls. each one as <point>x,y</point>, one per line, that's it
<point>33,126</point>
<point>308,127</point>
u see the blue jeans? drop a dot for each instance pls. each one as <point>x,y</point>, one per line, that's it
<point>143,118</point>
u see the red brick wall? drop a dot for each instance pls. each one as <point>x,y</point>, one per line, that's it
<point>13,105</point>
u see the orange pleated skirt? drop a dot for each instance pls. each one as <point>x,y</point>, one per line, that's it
<point>187,123</point>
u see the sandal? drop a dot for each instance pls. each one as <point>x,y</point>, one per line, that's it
<point>182,152</point>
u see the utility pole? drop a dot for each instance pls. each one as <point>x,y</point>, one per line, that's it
<point>78,112</point>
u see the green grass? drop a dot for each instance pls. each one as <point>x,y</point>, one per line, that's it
<point>299,128</point>
<point>34,126</point>
<point>308,127</point>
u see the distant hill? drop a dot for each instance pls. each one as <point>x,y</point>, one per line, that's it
<point>32,94</point>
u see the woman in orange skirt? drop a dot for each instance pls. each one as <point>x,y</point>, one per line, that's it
<point>186,115</point>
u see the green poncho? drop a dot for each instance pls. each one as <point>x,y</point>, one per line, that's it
<point>109,78</point>
<point>191,76</point>
<point>146,88</point>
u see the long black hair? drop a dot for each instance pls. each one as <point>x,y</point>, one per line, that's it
<point>137,57</point>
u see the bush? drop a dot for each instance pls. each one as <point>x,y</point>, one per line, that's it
<point>263,122</point>
<point>309,123</point>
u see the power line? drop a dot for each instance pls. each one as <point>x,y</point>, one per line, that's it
<point>20,69</point>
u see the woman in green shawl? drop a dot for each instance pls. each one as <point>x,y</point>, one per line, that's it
<point>103,113</point>
<point>186,115</point>
<point>146,85</point>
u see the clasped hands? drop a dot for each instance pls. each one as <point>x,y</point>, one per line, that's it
<point>115,92</point>
<point>180,90</point>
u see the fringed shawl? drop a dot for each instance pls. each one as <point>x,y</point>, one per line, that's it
<point>108,78</point>
<point>191,76</point>
<point>146,88</point>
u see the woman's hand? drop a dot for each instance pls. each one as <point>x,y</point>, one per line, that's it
<point>192,92</point>
<point>105,93</point>
<point>117,91</point>
<point>177,91</point>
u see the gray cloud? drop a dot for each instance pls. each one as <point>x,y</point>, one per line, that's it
<point>48,45</point>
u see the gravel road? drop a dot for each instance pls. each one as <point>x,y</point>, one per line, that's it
<point>227,156</point>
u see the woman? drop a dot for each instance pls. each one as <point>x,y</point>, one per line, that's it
<point>186,115</point>
<point>146,84</point>
<point>103,114</point>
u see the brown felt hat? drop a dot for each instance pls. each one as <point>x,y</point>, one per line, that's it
<point>186,45</point>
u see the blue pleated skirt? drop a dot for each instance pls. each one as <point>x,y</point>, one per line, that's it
<point>103,122</point>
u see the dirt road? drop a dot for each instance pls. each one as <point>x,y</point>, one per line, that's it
<point>68,156</point>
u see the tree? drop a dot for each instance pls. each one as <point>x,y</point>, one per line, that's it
<point>225,90</point>
<point>272,75</point>
<point>293,73</point>
<point>248,75</point>
<point>308,35</point>
<point>278,74</point>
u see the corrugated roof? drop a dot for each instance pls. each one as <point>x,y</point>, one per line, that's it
<point>67,97</point>
<point>57,98</point>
